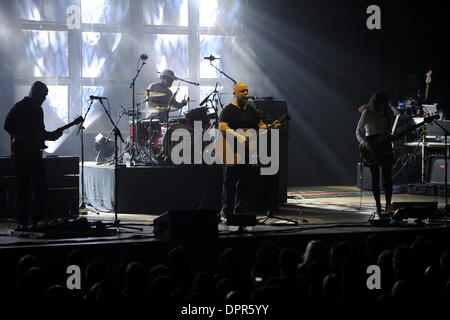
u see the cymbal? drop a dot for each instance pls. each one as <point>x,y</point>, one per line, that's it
<point>149,94</point>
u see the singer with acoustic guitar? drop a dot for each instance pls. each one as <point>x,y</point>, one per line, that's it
<point>25,124</point>
<point>238,115</point>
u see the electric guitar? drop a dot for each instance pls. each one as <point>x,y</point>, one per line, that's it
<point>35,142</point>
<point>372,153</point>
<point>224,152</point>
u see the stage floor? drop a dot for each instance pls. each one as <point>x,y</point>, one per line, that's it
<point>318,211</point>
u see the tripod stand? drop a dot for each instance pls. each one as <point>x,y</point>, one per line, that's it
<point>116,224</point>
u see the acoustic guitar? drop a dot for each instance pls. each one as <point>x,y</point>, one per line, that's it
<point>225,152</point>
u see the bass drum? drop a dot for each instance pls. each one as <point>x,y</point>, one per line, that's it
<point>186,135</point>
<point>157,140</point>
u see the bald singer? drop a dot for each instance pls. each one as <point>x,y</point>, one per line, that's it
<point>238,115</point>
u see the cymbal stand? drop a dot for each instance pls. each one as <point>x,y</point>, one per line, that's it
<point>166,120</point>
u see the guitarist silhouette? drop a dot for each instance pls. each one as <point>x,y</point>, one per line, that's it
<point>25,124</point>
<point>373,133</point>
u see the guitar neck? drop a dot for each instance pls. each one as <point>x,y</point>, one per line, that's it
<point>67,126</point>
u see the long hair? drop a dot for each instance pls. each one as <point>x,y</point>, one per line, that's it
<point>379,100</point>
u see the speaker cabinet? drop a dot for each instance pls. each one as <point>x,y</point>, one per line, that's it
<point>364,178</point>
<point>273,110</point>
<point>436,170</point>
<point>62,198</point>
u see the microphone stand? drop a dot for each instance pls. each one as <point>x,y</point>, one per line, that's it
<point>116,224</point>
<point>234,81</point>
<point>269,213</point>
<point>446,134</point>
<point>215,93</point>
<point>134,120</point>
<point>81,129</point>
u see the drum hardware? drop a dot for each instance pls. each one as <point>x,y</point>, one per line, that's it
<point>197,114</point>
<point>149,93</point>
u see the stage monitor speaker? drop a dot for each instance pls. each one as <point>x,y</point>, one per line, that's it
<point>241,220</point>
<point>404,210</point>
<point>178,224</point>
<point>436,170</point>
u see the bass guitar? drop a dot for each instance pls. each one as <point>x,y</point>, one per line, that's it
<point>372,153</point>
<point>35,142</point>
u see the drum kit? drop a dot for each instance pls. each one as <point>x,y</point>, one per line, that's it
<point>153,133</point>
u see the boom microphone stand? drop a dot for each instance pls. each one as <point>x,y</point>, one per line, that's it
<point>133,150</point>
<point>81,129</point>
<point>234,81</point>
<point>116,224</point>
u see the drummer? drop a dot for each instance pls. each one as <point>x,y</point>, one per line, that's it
<point>159,105</point>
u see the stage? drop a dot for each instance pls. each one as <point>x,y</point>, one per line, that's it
<point>332,212</point>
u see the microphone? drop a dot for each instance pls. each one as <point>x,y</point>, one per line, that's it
<point>253,97</point>
<point>96,98</point>
<point>144,57</point>
<point>210,58</point>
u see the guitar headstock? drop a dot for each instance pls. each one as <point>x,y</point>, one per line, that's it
<point>284,117</point>
<point>77,120</point>
<point>431,118</point>
<point>428,79</point>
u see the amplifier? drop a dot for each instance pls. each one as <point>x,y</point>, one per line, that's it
<point>62,198</point>
<point>271,111</point>
<point>364,178</point>
<point>55,166</point>
<point>62,187</point>
<point>436,170</point>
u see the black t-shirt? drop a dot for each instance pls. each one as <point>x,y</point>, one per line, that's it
<point>26,118</point>
<point>238,118</point>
